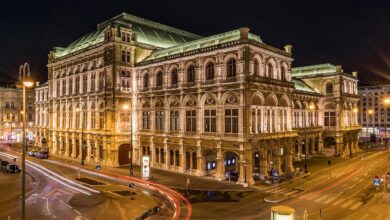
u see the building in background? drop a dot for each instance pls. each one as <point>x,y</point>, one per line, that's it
<point>11,122</point>
<point>374,111</point>
<point>42,115</point>
<point>200,105</point>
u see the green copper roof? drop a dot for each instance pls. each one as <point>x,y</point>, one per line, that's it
<point>81,43</point>
<point>302,86</point>
<point>314,70</point>
<point>147,32</point>
<point>202,43</point>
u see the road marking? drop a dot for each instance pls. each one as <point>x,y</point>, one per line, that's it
<point>350,187</point>
<point>291,192</point>
<point>329,200</point>
<point>77,212</point>
<point>366,174</point>
<point>338,201</point>
<point>357,205</point>
<point>305,196</point>
<point>345,205</point>
<point>361,180</point>
<point>321,198</point>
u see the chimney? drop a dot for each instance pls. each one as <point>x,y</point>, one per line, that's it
<point>354,74</point>
<point>244,33</point>
<point>288,49</point>
<point>338,69</point>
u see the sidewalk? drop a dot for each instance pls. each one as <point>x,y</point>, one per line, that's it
<point>168,178</point>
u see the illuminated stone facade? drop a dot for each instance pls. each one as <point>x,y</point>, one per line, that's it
<point>201,105</point>
<point>11,120</point>
<point>41,115</point>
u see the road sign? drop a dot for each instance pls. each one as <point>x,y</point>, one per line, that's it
<point>98,167</point>
<point>275,173</point>
<point>377,182</point>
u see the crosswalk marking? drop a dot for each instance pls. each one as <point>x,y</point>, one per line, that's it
<point>357,205</point>
<point>291,192</point>
<point>305,196</point>
<point>338,201</point>
<point>329,200</point>
<point>345,205</point>
<point>321,198</point>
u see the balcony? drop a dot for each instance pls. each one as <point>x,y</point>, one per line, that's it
<point>274,135</point>
<point>189,84</point>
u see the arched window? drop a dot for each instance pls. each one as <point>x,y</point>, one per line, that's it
<point>191,74</point>
<point>210,71</point>
<point>329,88</point>
<point>174,78</point>
<point>256,67</point>
<point>270,70</point>
<point>231,68</point>
<point>146,80</point>
<point>283,73</point>
<point>159,79</point>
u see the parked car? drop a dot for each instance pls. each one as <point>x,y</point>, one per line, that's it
<point>32,152</point>
<point>3,164</point>
<point>12,168</point>
<point>43,155</point>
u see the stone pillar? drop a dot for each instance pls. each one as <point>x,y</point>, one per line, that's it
<point>220,166</point>
<point>289,155</point>
<point>89,150</point>
<point>200,159</point>
<point>74,147</point>
<point>166,156</point>
<point>277,161</point>
<point>152,158</point>
<point>97,152</point>
<point>182,167</point>
<point>249,164</point>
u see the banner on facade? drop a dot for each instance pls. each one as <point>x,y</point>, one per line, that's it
<point>145,167</point>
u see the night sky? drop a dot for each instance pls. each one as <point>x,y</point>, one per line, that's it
<point>354,34</point>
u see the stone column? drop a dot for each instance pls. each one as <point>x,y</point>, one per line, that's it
<point>88,156</point>
<point>289,155</point>
<point>277,165</point>
<point>263,164</point>
<point>200,159</point>
<point>74,147</point>
<point>182,167</point>
<point>167,159</point>
<point>152,158</point>
<point>97,150</point>
<point>220,166</point>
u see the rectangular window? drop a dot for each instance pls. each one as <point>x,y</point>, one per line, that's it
<point>210,120</point>
<point>330,118</point>
<point>231,120</point>
<point>58,88</point>
<point>123,58</point>
<point>93,77</point>
<point>191,120</point>
<point>93,120</point>
<point>174,121</point>
<point>101,120</point>
<point>85,83</point>
<point>63,87</point>
<point>146,120</point>
<point>159,120</point>
<point>128,56</point>
<point>77,85</point>
<point>101,81</point>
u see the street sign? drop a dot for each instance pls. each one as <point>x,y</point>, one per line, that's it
<point>275,173</point>
<point>98,167</point>
<point>377,182</point>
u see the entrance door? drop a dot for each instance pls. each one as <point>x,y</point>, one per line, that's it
<point>123,154</point>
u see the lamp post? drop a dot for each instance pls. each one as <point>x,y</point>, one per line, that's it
<point>24,82</point>
<point>386,102</point>
<point>126,107</point>
<point>369,112</point>
<point>82,136</point>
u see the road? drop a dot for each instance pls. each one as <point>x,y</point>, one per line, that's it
<point>350,189</point>
<point>59,191</point>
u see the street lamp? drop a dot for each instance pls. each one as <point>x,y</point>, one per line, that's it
<point>126,107</point>
<point>82,136</point>
<point>25,81</point>
<point>386,102</point>
<point>369,112</point>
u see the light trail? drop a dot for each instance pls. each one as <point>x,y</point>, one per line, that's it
<point>56,177</point>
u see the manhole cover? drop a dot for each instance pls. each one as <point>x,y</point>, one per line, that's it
<point>125,193</point>
<point>90,181</point>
